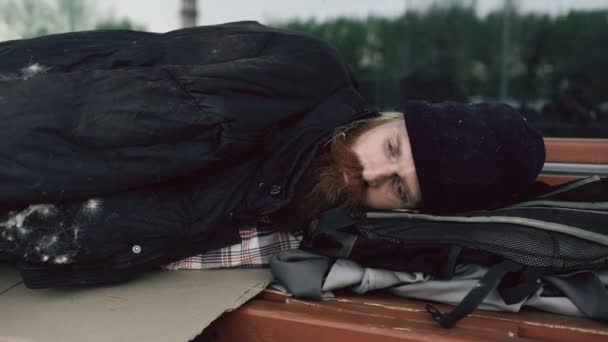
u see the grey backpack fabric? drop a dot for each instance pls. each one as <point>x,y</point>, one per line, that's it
<point>557,242</point>
<point>311,275</point>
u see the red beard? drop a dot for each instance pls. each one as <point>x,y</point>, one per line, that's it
<point>334,179</point>
<point>341,180</point>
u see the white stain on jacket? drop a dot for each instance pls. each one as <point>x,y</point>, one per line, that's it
<point>26,73</point>
<point>61,259</point>
<point>92,206</point>
<point>17,220</point>
<point>33,70</point>
<point>48,232</point>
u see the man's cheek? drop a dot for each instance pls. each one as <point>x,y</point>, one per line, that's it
<point>371,199</point>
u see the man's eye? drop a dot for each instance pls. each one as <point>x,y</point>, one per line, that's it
<point>392,150</point>
<point>400,188</point>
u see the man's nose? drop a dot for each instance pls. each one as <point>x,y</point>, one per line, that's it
<point>375,176</point>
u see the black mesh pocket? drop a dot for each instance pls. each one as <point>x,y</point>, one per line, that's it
<point>524,245</point>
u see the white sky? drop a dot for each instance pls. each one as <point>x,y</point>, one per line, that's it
<point>162,15</point>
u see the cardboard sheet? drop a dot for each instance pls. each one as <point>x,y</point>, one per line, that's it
<point>9,277</point>
<point>160,306</point>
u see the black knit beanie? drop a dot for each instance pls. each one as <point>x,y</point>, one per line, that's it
<point>471,156</point>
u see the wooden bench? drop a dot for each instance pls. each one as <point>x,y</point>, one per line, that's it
<point>274,316</point>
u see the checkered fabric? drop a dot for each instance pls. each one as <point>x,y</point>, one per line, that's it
<point>255,250</point>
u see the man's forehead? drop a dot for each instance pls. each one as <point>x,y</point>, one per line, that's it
<point>388,127</point>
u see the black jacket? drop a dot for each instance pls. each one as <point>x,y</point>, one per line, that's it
<point>151,147</point>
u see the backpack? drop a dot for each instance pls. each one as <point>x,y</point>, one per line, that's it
<point>561,232</point>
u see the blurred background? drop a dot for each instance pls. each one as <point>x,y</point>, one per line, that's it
<point>547,57</point>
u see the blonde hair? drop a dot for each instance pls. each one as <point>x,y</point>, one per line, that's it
<point>356,128</point>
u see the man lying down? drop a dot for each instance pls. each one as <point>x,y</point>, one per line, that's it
<point>124,151</point>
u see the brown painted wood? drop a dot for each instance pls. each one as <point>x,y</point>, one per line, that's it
<point>582,151</point>
<point>557,179</point>
<point>278,317</point>
<point>577,151</point>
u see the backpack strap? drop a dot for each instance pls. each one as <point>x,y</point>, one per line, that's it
<point>447,271</point>
<point>324,235</point>
<point>586,291</point>
<point>516,287</point>
<point>471,301</point>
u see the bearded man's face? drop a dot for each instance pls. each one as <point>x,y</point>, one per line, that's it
<point>369,167</point>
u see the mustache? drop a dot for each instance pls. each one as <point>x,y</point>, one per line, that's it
<point>351,186</point>
<point>335,178</point>
<point>339,179</point>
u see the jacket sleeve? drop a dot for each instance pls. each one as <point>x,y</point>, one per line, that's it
<point>80,50</point>
<point>251,75</point>
<point>285,75</point>
<point>72,136</point>
<point>112,117</point>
